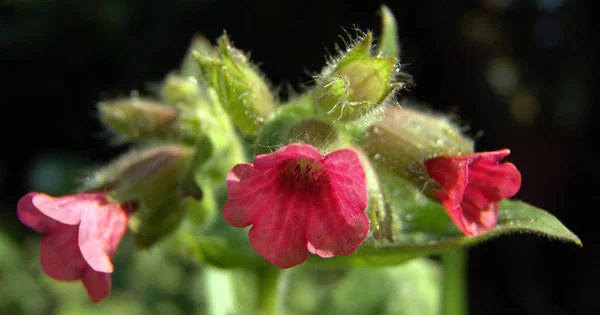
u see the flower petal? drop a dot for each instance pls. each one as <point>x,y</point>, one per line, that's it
<point>31,216</point>
<point>338,224</point>
<point>44,213</point>
<point>333,230</point>
<point>452,175</point>
<point>279,235</point>
<point>496,180</point>
<point>97,284</point>
<point>266,161</point>
<point>479,213</point>
<point>102,228</point>
<point>277,215</point>
<point>247,194</point>
<point>238,173</point>
<point>60,256</point>
<point>348,180</point>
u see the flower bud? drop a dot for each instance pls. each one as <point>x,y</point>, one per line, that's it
<point>189,66</point>
<point>406,138</point>
<point>133,118</point>
<point>357,82</point>
<point>178,89</point>
<point>243,92</point>
<point>153,172</point>
<point>156,180</point>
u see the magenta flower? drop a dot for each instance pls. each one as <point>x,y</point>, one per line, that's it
<point>81,235</point>
<point>472,186</point>
<point>298,201</point>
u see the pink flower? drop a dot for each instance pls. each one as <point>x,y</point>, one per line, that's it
<point>298,201</point>
<point>81,235</point>
<point>472,186</point>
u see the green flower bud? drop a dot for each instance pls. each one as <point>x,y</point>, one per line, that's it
<point>178,90</point>
<point>242,90</point>
<point>406,138</point>
<point>355,83</point>
<point>189,65</point>
<point>133,118</point>
<point>156,180</point>
<point>198,114</point>
<point>151,174</point>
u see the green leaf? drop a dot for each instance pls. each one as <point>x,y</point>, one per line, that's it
<point>423,228</point>
<point>518,216</point>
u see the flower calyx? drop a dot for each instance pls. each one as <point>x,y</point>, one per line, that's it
<point>357,81</point>
<point>242,90</point>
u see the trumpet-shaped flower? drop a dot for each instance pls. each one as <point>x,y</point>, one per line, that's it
<point>298,201</point>
<point>81,235</point>
<point>472,185</point>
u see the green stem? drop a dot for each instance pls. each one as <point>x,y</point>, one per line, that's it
<point>268,280</point>
<point>454,299</point>
<point>220,298</point>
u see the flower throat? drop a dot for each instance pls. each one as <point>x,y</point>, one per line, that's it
<point>304,170</point>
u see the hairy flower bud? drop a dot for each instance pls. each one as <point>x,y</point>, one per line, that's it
<point>406,138</point>
<point>156,179</point>
<point>152,171</point>
<point>242,90</point>
<point>178,90</point>
<point>189,66</point>
<point>357,82</point>
<point>134,118</point>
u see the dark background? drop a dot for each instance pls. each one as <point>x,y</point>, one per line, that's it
<point>519,73</point>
